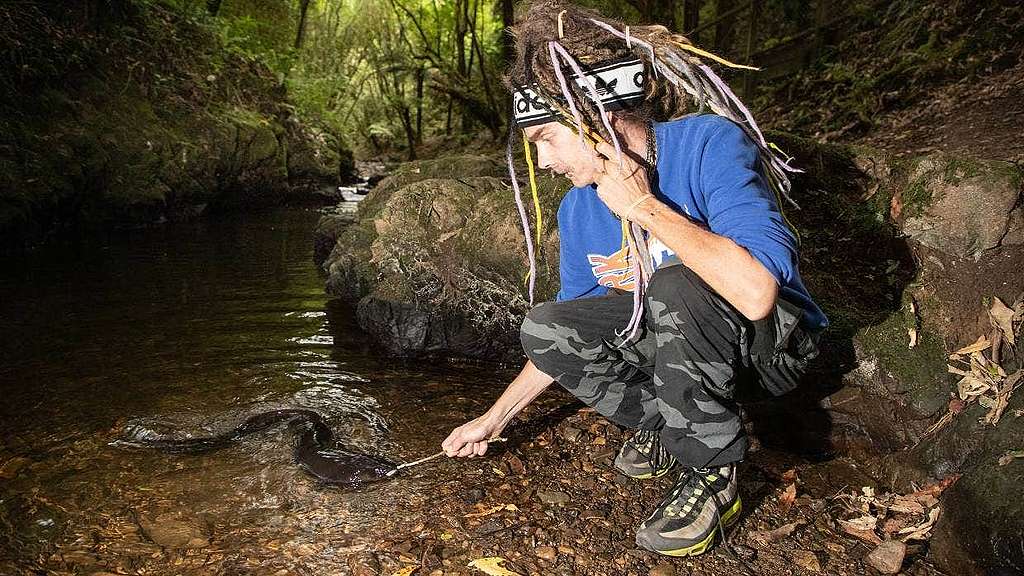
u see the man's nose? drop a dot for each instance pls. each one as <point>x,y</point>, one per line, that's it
<point>543,157</point>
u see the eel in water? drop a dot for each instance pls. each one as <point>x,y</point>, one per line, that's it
<point>315,452</point>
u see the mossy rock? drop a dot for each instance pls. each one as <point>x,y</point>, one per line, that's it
<point>437,266</point>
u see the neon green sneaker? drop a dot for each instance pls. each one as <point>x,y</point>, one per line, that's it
<point>643,456</point>
<point>701,504</point>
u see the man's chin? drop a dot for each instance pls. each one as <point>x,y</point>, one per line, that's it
<point>579,182</point>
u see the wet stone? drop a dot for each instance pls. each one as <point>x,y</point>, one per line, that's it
<point>807,560</point>
<point>473,495</point>
<point>662,569</point>
<point>546,553</point>
<point>170,531</point>
<point>552,497</point>
<point>887,558</point>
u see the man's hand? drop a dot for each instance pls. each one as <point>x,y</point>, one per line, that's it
<point>621,188</point>
<point>470,439</point>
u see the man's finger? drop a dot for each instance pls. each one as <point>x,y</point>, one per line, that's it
<point>480,448</point>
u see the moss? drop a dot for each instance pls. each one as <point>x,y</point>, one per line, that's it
<point>921,370</point>
<point>958,169</point>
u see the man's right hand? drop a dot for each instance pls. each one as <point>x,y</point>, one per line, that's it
<point>470,439</point>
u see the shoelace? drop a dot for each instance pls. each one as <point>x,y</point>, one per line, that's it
<point>718,519</point>
<point>644,441</point>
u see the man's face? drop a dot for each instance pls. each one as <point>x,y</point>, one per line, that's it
<point>559,150</point>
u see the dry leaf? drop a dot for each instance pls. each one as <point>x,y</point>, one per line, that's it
<point>492,566</point>
<point>921,531</point>
<point>787,497</point>
<point>1002,317</point>
<point>935,490</point>
<point>767,536</point>
<point>912,333</point>
<point>481,511</point>
<point>862,528</point>
<point>407,571</point>
<point>1010,457</point>
<point>981,344</point>
<point>906,505</point>
<point>789,476</point>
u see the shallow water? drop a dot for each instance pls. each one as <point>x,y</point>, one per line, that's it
<point>194,326</point>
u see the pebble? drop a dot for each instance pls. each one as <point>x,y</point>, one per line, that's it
<point>553,497</point>
<point>473,495</point>
<point>807,560</point>
<point>169,531</point>
<point>887,558</point>
<point>571,434</point>
<point>663,569</point>
<point>546,553</point>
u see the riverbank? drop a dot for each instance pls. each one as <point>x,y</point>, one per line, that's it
<point>908,257</point>
<point>136,113</point>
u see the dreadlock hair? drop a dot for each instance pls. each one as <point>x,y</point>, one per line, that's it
<point>555,40</point>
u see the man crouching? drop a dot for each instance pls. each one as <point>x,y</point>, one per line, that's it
<point>679,275</point>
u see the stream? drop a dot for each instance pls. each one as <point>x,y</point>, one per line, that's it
<point>193,326</point>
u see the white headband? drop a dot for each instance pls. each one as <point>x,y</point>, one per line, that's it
<point>619,84</point>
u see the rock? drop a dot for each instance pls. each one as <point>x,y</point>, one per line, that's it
<point>421,265</point>
<point>662,569</point>
<point>10,468</point>
<point>546,553</point>
<point>364,564</point>
<point>169,530</point>
<point>553,497</point>
<point>962,207</point>
<point>473,495</point>
<point>887,558</point>
<point>806,559</point>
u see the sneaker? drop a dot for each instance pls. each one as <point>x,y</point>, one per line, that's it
<point>700,505</point>
<point>643,456</point>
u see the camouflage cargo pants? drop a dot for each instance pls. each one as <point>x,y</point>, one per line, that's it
<point>679,375</point>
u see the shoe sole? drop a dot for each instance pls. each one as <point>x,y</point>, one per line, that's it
<point>729,518</point>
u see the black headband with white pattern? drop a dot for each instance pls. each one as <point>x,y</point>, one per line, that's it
<point>620,84</point>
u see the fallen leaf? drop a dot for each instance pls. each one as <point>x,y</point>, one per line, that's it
<point>856,529</point>
<point>789,476</point>
<point>920,532</point>
<point>935,489</point>
<point>1001,317</point>
<point>481,511</point>
<point>906,505</point>
<point>1010,457</point>
<point>492,566</point>
<point>407,571</point>
<point>981,344</point>
<point>806,559</point>
<point>767,536</point>
<point>787,497</point>
<point>912,333</point>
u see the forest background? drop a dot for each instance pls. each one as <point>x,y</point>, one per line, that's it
<point>395,76</point>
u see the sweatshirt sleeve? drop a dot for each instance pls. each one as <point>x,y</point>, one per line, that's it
<point>740,205</point>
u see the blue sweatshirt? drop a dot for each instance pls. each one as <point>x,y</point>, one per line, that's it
<point>707,169</point>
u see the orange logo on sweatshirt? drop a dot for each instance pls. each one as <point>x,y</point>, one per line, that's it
<point>614,270</point>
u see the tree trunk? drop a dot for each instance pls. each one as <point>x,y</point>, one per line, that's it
<point>725,28</point>
<point>691,18</point>
<point>508,43</point>
<point>213,6</point>
<point>303,9</point>
<point>419,104</point>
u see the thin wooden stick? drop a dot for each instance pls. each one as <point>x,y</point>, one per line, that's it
<point>431,457</point>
